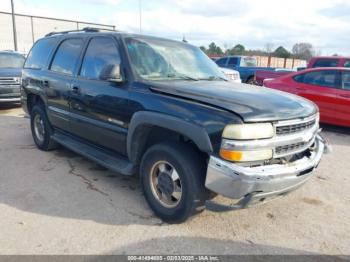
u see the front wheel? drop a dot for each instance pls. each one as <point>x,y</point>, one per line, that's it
<point>251,81</point>
<point>172,178</point>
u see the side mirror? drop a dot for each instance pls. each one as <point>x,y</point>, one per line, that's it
<point>111,73</point>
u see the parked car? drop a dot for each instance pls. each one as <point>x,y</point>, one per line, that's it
<point>245,65</point>
<point>329,61</point>
<point>261,75</point>
<point>318,61</point>
<point>162,109</point>
<point>232,75</point>
<point>10,76</point>
<point>329,88</point>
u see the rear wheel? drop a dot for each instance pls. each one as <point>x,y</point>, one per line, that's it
<point>41,128</point>
<point>172,178</point>
<point>251,81</point>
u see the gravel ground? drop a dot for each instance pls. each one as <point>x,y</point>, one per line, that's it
<point>61,203</point>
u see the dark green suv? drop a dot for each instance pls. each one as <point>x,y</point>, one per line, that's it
<point>162,109</point>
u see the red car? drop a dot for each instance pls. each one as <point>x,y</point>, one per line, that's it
<point>328,87</point>
<point>317,61</point>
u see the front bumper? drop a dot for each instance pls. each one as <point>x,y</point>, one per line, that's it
<point>251,185</point>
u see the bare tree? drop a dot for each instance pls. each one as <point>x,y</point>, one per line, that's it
<point>303,51</point>
<point>268,47</point>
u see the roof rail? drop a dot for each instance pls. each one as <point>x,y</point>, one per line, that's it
<point>85,30</point>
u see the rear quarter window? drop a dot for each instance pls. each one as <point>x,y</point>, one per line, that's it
<point>299,78</point>
<point>39,54</point>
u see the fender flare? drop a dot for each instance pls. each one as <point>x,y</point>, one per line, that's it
<point>148,119</point>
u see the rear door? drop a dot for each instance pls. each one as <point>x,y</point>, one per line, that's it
<point>99,109</point>
<point>322,88</point>
<point>344,100</point>
<point>58,81</point>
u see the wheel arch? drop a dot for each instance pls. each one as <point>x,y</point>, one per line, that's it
<point>33,99</point>
<point>144,123</point>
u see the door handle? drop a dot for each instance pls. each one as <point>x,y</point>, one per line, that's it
<point>345,96</point>
<point>300,88</point>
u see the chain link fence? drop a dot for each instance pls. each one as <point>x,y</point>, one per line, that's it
<point>31,28</point>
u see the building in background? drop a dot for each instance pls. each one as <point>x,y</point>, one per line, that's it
<point>31,28</point>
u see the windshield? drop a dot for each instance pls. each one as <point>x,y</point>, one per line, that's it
<point>11,60</point>
<point>248,61</point>
<point>157,59</point>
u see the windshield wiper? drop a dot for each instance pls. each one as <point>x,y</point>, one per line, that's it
<point>183,76</point>
<point>211,78</point>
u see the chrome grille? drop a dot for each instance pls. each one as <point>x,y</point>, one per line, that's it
<point>294,128</point>
<point>6,81</point>
<point>290,148</point>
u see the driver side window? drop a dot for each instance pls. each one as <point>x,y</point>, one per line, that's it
<point>101,52</point>
<point>326,78</point>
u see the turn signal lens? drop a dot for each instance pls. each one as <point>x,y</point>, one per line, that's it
<point>246,156</point>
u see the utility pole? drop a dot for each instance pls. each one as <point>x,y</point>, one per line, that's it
<point>140,12</point>
<point>14,27</point>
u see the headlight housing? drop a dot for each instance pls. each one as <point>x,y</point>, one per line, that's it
<point>246,132</point>
<point>249,131</point>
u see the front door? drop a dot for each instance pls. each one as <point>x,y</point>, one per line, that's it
<point>321,87</point>
<point>99,109</point>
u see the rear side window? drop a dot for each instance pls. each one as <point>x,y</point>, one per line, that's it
<point>233,61</point>
<point>248,62</point>
<point>327,78</point>
<point>347,63</point>
<point>299,78</point>
<point>221,62</point>
<point>100,53</point>
<point>40,53</point>
<point>67,56</point>
<point>326,63</point>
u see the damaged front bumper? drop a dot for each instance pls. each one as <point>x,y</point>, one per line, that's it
<point>252,185</point>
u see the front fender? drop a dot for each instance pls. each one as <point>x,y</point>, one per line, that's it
<point>145,120</point>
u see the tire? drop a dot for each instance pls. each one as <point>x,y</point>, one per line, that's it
<point>190,168</point>
<point>41,132</point>
<point>251,81</point>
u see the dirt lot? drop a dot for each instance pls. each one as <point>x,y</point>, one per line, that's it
<point>61,203</point>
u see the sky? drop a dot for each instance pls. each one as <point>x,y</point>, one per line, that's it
<point>254,23</point>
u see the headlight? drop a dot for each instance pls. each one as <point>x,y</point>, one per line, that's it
<point>248,131</point>
<point>246,156</point>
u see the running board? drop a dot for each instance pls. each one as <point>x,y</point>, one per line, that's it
<point>111,161</point>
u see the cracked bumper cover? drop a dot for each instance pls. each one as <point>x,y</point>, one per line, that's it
<point>250,185</point>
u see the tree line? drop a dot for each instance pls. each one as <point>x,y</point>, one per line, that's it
<point>299,51</point>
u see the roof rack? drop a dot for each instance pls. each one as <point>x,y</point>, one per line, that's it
<point>85,30</point>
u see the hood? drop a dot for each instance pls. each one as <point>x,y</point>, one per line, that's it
<point>10,72</point>
<point>252,103</point>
